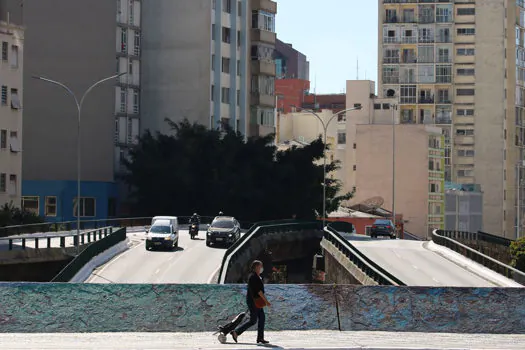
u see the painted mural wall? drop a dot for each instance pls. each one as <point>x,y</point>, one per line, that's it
<point>42,308</point>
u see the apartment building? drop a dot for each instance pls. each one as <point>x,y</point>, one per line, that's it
<point>11,73</point>
<point>77,43</point>
<point>210,61</point>
<point>460,65</point>
<point>370,151</point>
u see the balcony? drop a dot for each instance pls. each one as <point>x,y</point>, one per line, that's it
<point>263,36</point>
<point>264,5</point>
<point>426,100</point>
<point>262,100</point>
<point>443,120</point>
<point>263,67</point>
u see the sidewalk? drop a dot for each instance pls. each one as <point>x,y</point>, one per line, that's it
<point>281,340</point>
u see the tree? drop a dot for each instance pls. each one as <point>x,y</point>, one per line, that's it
<point>517,252</point>
<point>11,215</point>
<point>208,171</point>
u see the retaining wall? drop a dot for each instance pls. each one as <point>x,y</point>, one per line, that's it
<point>66,307</point>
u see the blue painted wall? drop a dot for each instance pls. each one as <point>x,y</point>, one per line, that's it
<point>66,191</point>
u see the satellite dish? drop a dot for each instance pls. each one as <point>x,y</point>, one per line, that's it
<point>374,202</point>
<point>390,93</point>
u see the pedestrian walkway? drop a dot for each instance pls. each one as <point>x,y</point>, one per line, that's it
<point>280,340</point>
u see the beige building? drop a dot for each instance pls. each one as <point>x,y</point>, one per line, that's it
<point>11,74</point>
<point>419,175</point>
<point>302,128</point>
<point>461,65</point>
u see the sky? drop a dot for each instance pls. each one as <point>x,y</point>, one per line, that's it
<point>333,34</point>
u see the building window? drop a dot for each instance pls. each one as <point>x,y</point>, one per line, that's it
<point>5,46</point>
<point>136,43</point>
<point>465,112</point>
<point>123,40</point>
<point>15,100</point>
<point>465,71</point>
<point>239,68</point>
<point>213,31</point>
<point>408,94</point>
<point>3,139</point>
<point>112,207</point>
<point>51,206</point>
<point>212,92</point>
<point>466,11</point>
<point>213,62</point>
<point>263,84</point>
<point>465,173</point>
<point>31,204</point>
<point>213,4</point>
<point>377,106</point>
<point>466,153</point>
<point>123,101</point>
<point>12,184</point>
<point>238,97</point>
<point>263,20</point>
<point>14,144</point>
<point>131,12</point>
<point>3,183</point>
<point>466,31</point>
<point>226,35</point>
<point>465,52</point>
<point>238,38</point>
<point>341,138</point>
<point>225,65</point>
<point>390,74</point>
<point>465,92</point>
<point>227,6</point>
<point>443,74</point>
<point>225,95</point>
<point>465,132</point>
<point>14,56</point>
<point>136,102</point>
<point>87,207</point>
<point>4,95</point>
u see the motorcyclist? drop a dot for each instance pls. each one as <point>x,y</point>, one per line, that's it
<point>221,213</point>
<point>195,219</point>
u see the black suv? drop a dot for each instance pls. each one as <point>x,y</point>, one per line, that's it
<point>224,230</point>
<point>382,227</point>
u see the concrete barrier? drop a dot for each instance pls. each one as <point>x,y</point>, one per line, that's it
<point>72,308</point>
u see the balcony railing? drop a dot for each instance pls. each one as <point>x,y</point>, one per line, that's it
<point>443,120</point>
<point>426,100</point>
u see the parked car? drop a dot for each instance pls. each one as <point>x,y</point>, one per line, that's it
<point>223,230</point>
<point>164,233</point>
<point>382,227</point>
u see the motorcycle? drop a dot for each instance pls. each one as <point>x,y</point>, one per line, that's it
<point>194,230</point>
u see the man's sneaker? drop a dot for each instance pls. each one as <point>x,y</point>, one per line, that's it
<point>262,341</point>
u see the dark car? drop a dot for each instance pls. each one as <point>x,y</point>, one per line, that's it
<point>223,230</point>
<point>383,227</point>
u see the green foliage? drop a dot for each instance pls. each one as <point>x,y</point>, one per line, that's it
<point>517,252</point>
<point>10,216</point>
<point>207,171</point>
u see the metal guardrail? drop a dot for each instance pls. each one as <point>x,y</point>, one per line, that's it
<point>439,237</point>
<point>477,236</point>
<point>259,229</point>
<point>65,226</point>
<point>89,253</point>
<point>85,237</point>
<point>411,237</point>
<point>369,267</point>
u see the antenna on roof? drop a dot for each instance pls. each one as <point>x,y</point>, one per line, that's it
<point>357,78</point>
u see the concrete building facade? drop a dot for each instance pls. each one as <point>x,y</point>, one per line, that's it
<point>11,116</point>
<point>73,42</point>
<point>290,63</point>
<point>463,208</point>
<point>460,65</point>
<point>213,65</point>
<point>419,167</point>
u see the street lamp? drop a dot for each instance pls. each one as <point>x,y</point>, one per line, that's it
<point>393,107</point>
<point>79,109</point>
<point>325,129</point>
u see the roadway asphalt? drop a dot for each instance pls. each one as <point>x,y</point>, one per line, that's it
<point>192,262</point>
<point>415,265</point>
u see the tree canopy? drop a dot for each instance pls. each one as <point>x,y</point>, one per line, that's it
<point>207,171</point>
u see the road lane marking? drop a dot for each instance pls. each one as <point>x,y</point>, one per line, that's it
<point>171,258</point>
<point>435,280</point>
<point>213,274</point>
<point>414,266</point>
<point>112,261</point>
<point>157,272</point>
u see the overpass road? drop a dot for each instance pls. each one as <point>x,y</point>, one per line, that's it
<point>416,265</point>
<point>192,262</point>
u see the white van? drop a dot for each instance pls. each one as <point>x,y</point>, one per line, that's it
<point>163,233</point>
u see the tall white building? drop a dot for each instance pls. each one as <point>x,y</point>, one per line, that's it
<point>11,81</point>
